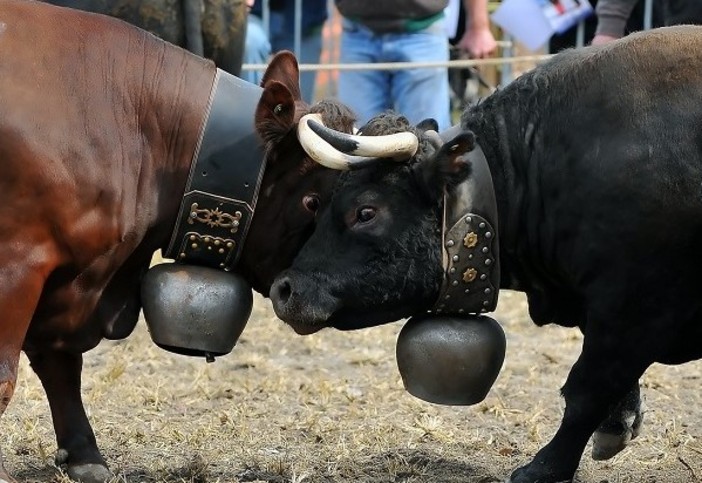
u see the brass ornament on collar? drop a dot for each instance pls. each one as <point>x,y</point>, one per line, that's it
<point>468,285</point>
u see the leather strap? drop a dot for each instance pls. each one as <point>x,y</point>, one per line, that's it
<point>470,245</point>
<point>225,177</point>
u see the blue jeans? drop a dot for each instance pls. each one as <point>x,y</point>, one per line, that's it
<point>417,94</point>
<point>259,47</point>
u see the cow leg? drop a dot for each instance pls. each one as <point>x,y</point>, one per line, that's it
<point>60,374</point>
<point>8,376</point>
<point>21,283</point>
<point>601,377</point>
<point>621,426</point>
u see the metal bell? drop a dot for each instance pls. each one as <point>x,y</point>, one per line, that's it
<point>195,310</point>
<point>450,360</point>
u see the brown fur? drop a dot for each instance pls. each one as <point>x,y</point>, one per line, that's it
<point>98,126</point>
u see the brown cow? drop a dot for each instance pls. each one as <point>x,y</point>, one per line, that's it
<point>99,124</point>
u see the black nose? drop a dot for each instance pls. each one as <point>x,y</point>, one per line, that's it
<point>281,291</point>
<point>302,301</point>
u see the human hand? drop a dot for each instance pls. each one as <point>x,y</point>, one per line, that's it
<point>601,39</point>
<point>478,43</point>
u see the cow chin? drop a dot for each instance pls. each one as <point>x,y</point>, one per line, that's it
<point>353,320</point>
<point>305,329</point>
<point>304,320</point>
<point>313,319</point>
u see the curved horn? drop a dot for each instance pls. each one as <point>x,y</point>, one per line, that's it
<point>398,146</point>
<point>323,152</point>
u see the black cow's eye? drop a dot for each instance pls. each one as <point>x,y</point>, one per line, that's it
<point>365,214</point>
<point>311,203</point>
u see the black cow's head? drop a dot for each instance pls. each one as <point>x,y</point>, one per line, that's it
<point>294,186</point>
<point>375,255</point>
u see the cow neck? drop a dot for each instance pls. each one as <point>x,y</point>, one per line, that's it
<point>469,242</point>
<point>225,176</point>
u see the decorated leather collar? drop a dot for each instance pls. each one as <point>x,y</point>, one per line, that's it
<point>225,176</point>
<point>469,242</point>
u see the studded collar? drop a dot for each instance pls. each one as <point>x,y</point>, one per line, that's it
<point>470,249</point>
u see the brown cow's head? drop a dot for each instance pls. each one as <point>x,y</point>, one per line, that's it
<point>294,186</point>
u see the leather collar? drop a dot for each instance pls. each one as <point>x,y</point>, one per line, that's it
<point>225,176</point>
<point>470,246</point>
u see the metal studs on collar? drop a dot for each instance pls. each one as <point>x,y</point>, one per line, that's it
<point>467,286</point>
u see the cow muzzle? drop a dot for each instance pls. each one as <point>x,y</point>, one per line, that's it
<point>298,302</point>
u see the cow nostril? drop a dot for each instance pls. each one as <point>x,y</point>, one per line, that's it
<point>283,291</point>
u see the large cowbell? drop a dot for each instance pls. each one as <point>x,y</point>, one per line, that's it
<point>195,311</point>
<point>453,354</point>
<point>198,306</point>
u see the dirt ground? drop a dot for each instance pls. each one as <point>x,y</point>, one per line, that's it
<point>331,408</point>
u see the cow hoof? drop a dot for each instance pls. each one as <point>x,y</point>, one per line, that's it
<point>606,444</point>
<point>526,474</point>
<point>510,480</point>
<point>89,473</point>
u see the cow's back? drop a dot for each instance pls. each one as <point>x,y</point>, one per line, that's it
<point>624,121</point>
<point>599,154</point>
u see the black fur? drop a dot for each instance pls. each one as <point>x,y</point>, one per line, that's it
<point>596,158</point>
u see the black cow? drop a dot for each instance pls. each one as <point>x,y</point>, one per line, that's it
<point>103,131</point>
<point>596,161</point>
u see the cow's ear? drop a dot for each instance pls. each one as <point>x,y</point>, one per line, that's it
<point>428,124</point>
<point>283,68</point>
<point>448,166</point>
<point>275,113</point>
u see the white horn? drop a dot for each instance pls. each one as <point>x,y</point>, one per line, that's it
<point>398,146</point>
<point>323,152</point>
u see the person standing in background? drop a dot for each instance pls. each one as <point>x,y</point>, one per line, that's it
<point>612,16</point>
<point>261,45</point>
<point>404,31</point>
<point>633,23</point>
<point>473,37</point>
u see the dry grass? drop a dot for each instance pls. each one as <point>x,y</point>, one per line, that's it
<point>331,408</point>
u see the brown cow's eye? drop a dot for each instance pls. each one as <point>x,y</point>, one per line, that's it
<point>365,214</point>
<point>311,203</point>
<point>278,109</point>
